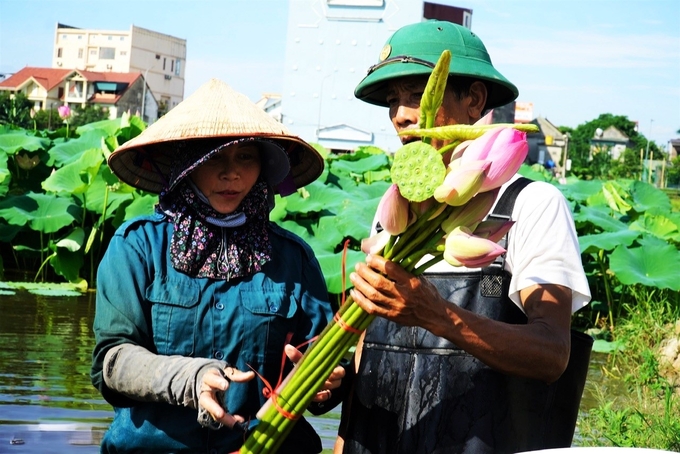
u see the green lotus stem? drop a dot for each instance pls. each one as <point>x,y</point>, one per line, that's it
<point>465,132</point>
<point>308,376</point>
<point>405,237</point>
<point>423,235</point>
<point>436,258</point>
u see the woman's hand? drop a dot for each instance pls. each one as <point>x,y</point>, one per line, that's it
<point>216,382</point>
<point>332,382</point>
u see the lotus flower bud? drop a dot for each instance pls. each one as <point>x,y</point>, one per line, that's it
<point>376,243</point>
<point>462,183</point>
<point>64,112</point>
<point>393,211</point>
<point>493,229</point>
<point>464,249</point>
<point>506,149</point>
<point>472,213</point>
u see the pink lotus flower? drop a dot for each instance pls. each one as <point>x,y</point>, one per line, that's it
<point>418,209</point>
<point>472,213</point>
<point>493,229</point>
<point>393,211</point>
<point>64,112</point>
<point>505,148</point>
<point>464,249</point>
<point>462,182</point>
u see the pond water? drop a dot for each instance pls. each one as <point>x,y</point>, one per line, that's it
<point>47,403</point>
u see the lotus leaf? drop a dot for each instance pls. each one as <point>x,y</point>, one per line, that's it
<point>14,141</point>
<point>655,264</point>
<point>52,213</point>
<point>606,241</point>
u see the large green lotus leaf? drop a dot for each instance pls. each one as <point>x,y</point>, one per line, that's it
<point>318,198</point>
<point>73,241</point>
<point>5,176</point>
<point>131,127</point>
<point>15,141</point>
<point>645,196</point>
<point>97,192</point>
<point>52,213</point>
<point>657,225</point>
<point>74,178</point>
<point>331,265</point>
<point>105,127</point>
<point>279,211</point>
<point>327,234</point>
<point>141,206</point>
<point>356,217</point>
<point>67,263</point>
<point>370,163</point>
<point>606,241</point>
<point>8,231</point>
<point>654,264</point>
<point>580,190</point>
<point>71,151</point>
<point>599,216</point>
<point>532,173</point>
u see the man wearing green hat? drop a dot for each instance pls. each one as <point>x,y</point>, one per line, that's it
<point>481,375</point>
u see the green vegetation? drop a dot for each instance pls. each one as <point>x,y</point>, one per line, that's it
<point>60,204</point>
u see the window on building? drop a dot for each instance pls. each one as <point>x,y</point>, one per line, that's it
<point>123,52</point>
<point>172,65</point>
<point>177,67</point>
<point>59,52</point>
<point>164,63</point>
<point>356,2</point>
<point>80,53</point>
<point>93,51</point>
<point>110,38</point>
<point>107,53</point>
<point>80,36</point>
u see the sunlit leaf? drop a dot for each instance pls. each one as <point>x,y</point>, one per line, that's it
<point>72,150</point>
<point>140,206</point>
<point>645,197</point>
<point>659,226</point>
<point>75,177</point>
<point>52,213</point>
<point>73,241</point>
<point>600,217</point>
<point>373,162</point>
<point>606,241</point>
<point>12,142</point>
<point>331,265</point>
<point>603,346</point>
<point>580,190</point>
<point>5,176</point>
<point>67,263</point>
<point>655,264</point>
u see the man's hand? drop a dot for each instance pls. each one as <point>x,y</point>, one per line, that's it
<point>385,289</point>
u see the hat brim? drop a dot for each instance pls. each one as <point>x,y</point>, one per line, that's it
<point>290,163</point>
<point>373,88</point>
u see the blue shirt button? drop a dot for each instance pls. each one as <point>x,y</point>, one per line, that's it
<point>219,355</point>
<point>273,308</point>
<point>219,306</point>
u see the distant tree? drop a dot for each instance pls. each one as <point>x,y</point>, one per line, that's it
<point>673,172</point>
<point>627,166</point>
<point>88,114</point>
<point>15,110</point>
<point>47,119</point>
<point>600,166</point>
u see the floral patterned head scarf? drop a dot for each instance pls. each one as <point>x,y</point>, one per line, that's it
<point>206,243</point>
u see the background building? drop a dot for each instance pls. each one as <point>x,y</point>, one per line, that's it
<point>330,45</point>
<point>49,88</point>
<point>160,58</point>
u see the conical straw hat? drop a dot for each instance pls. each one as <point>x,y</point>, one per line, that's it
<point>214,111</point>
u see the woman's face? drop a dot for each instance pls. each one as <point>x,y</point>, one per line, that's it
<point>227,177</point>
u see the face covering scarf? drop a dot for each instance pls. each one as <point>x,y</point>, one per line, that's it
<point>209,244</point>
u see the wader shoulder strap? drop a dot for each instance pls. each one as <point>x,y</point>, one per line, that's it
<point>507,200</point>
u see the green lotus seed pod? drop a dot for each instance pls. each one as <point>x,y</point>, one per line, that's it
<point>418,170</point>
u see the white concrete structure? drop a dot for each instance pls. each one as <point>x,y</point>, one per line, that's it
<point>160,58</point>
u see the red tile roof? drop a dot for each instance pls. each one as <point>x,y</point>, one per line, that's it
<point>49,78</point>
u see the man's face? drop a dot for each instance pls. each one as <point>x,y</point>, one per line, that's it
<point>403,98</point>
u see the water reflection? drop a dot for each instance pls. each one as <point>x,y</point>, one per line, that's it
<point>47,402</point>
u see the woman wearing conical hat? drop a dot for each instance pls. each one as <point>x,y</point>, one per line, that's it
<point>195,299</point>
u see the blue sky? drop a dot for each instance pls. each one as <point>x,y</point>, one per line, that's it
<point>572,59</point>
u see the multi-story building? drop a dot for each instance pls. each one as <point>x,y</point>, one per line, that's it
<point>160,58</point>
<point>330,45</point>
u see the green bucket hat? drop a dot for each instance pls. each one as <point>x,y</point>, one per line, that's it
<point>414,50</point>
